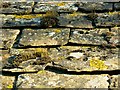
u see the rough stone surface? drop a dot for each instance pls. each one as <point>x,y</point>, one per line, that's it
<point>74,20</point>
<point>117,6</point>
<point>6,82</point>
<point>46,79</point>
<point>16,7</point>
<point>59,7</point>
<point>84,58</point>
<point>8,37</point>
<point>38,37</point>
<point>94,36</point>
<point>93,6</point>
<point>108,19</point>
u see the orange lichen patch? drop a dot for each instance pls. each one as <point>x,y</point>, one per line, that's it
<point>28,16</point>
<point>57,30</point>
<point>99,64</point>
<point>61,4</point>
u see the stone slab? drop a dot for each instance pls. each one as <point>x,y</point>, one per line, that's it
<point>93,6</point>
<point>84,36</point>
<point>75,20</point>
<point>16,7</point>
<point>108,19</point>
<point>8,37</point>
<point>46,79</point>
<point>43,37</point>
<point>59,7</point>
<point>82,58</point>
<point>117,6</point>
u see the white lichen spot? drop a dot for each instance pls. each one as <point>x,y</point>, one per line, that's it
<point>51,34</point>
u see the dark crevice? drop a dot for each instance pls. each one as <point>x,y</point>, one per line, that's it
<point>17,40</point>
<point>97,72</point>
<point>92,45</point>
<point>34,7</point>
<point>9,73</point>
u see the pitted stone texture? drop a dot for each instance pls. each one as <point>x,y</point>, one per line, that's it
<point>84,36</point>
<point>46,79</point>
<point>43,37</point>
<point>117,6</point>
<point>108,19</point>
<point>16,7</point>
<point>115,36</point>
<point>4,54</point>
<point>93,6</point>
<point>78,58</point>
<point>6,82</point>
<point>74,20</point>
<point>114,82</point>
<point>8,37</point>
<point>59,7</point>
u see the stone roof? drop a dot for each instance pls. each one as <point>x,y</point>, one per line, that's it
<point>58,39</point>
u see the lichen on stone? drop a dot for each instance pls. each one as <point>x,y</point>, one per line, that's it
<point>99,64</point>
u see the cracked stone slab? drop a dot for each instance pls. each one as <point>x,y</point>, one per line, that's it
<point>82,58</point>
<point>74,20</point>
<point>60,7</point>
<point>43,37</point>
<point>8,37</point>
<point>46,79</point>
<point>117,6</point>
<point>93,6</point>
<point>108,19</point>
<point>84,36</point>
<point>16,7</point>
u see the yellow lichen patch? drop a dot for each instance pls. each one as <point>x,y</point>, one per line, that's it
<point>28,16</point>
<point>43,51</point>
<point>57,30</point>
<point>10,86</point>
<point>74,14</point>
<point>61,4</point>
<point>40,72</point>
<point>99,64</point>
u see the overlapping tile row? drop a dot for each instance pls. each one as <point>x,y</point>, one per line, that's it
<point>70,58</point>
<point>75,20</point>
<point>38,7</point>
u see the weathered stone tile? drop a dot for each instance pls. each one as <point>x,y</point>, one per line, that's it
<point>117,6</point>
<point>60,7</point>
<point>4,54</point>
<point>6,82</point>
<point>83,36</point>
<point>115,36</point>
<point>16,7</point>
<point>21,20</point>
<point>84,58</point>
<point>108,19</point>
<point>8,37</point>
<point>93,6</point>
<point>74,20</point>
<point>46,79</point>
<point>43,37</point>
